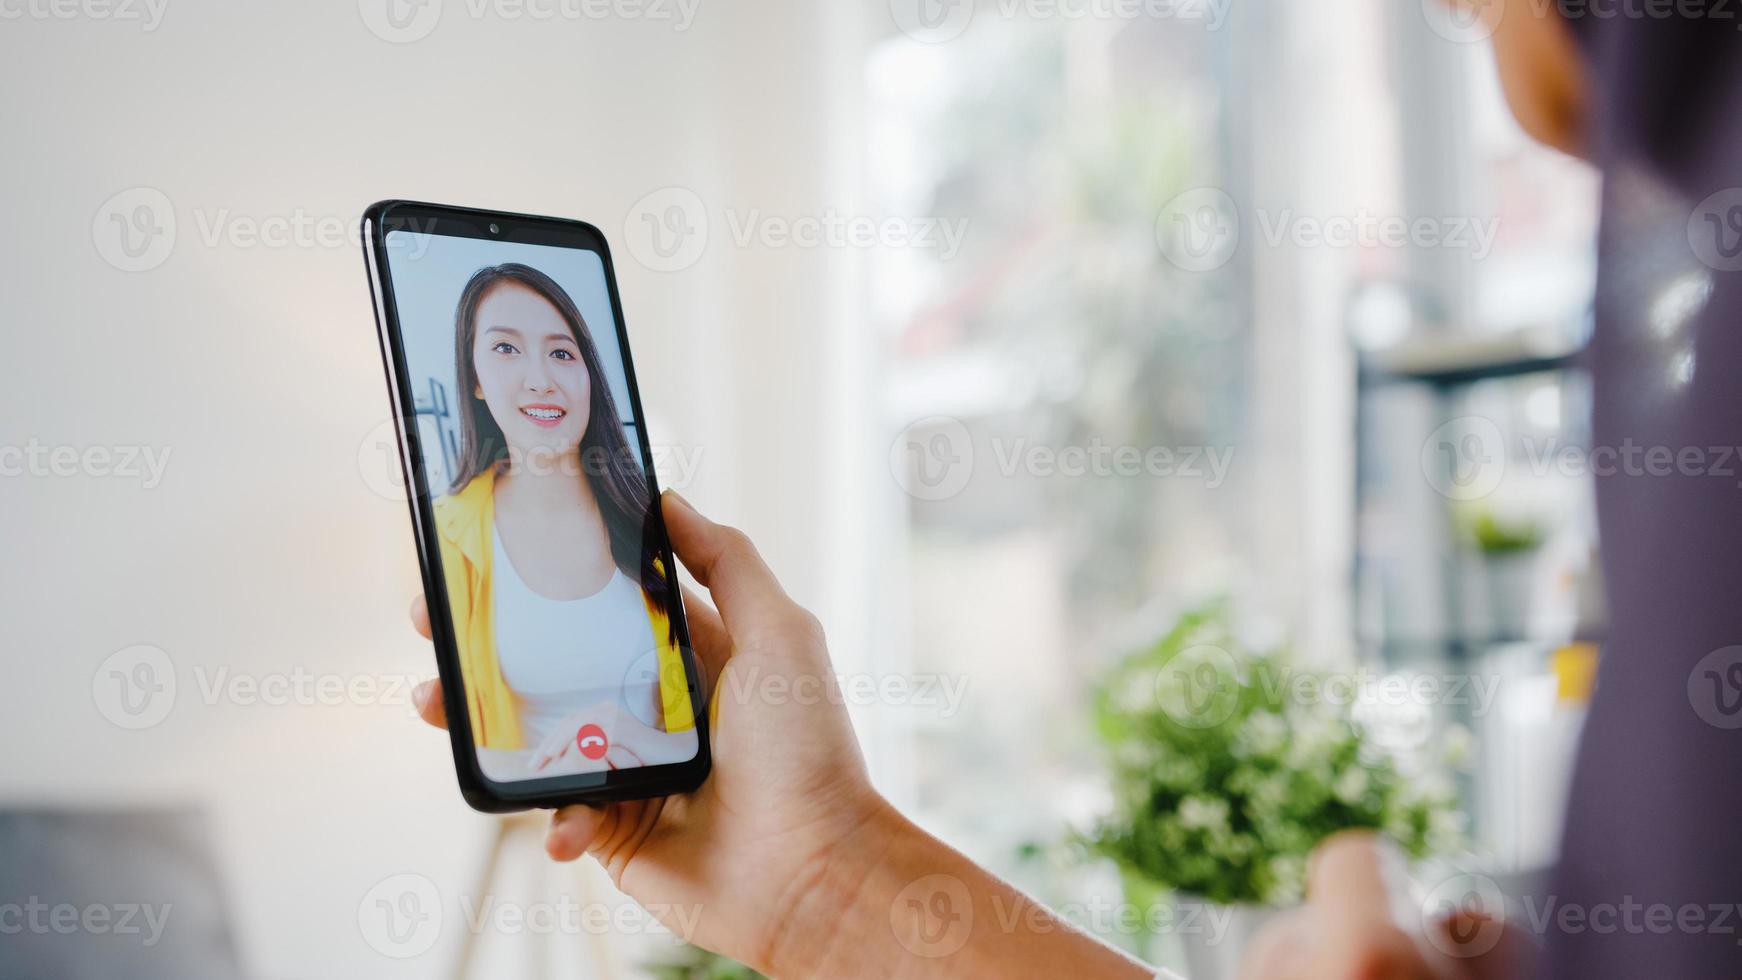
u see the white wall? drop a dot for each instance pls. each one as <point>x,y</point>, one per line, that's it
<point>264,550</point>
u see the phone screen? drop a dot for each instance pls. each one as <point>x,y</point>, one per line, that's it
<point>557,590</point>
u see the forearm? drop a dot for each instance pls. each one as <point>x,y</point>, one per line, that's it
<point>896,902</point>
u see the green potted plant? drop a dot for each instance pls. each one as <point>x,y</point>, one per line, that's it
<point>1227,767</point>
<point>1509,547</point>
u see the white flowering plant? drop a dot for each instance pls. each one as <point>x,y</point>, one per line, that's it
<point>1228,766</point>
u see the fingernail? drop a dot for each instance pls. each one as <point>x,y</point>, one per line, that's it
<point>678,498</point>
<point>420,694</point>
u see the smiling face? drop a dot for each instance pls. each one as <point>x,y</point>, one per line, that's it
<point>530,372</point>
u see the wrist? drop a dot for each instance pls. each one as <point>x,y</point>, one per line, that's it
<point>889,900</point>
<point>838,896</point>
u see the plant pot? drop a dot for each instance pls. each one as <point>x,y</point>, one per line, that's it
<point>1213,936</point>
<point>1511,592</point>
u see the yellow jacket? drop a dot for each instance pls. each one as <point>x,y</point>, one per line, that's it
<point>464,523</point>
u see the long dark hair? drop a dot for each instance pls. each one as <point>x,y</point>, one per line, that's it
<point>611,469</point>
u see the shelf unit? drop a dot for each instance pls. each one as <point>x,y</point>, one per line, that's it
<point>1522,744</point>
<point>1442,372</point>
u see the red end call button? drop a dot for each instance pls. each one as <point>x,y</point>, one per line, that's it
<point>592,742</point>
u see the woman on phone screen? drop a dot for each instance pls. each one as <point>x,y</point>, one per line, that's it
<point>560,604</point>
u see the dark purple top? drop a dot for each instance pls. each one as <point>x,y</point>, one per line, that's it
<point>1656,809</point>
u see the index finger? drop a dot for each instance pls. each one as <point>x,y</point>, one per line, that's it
<point>722,558</point>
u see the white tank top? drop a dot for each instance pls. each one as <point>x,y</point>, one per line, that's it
<point>561,656</point>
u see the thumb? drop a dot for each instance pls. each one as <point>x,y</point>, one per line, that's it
<point>725,562</point>
<point>1358,875</point>
<point>1355,882</point>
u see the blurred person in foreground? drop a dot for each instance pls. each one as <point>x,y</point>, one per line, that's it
<point>801,869</point>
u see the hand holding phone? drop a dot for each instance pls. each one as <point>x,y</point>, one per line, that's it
<point>789,785</point>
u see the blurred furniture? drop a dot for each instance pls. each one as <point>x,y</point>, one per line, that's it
<point>111,893</point>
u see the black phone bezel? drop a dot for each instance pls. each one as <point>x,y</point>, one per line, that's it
<point>480,791</point>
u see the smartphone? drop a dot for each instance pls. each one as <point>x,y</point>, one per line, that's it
<point>554,603</point>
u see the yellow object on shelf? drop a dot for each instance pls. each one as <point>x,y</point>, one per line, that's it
<point>1575,670</point>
